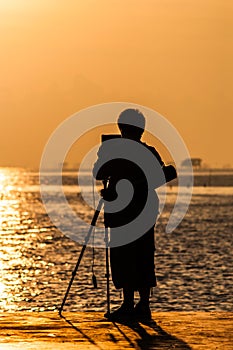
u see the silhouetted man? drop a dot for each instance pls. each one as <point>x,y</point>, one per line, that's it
<point>132,264</point>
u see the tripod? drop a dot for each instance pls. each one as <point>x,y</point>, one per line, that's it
<point>93,222</point>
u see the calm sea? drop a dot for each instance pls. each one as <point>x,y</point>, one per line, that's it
<point>193,263</point>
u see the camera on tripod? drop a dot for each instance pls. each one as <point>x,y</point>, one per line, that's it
<point>168,170</point>
<point>106,137</point>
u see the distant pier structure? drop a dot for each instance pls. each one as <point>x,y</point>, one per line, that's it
<point>196,162</point>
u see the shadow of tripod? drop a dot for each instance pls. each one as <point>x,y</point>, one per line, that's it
<point>85,336</point>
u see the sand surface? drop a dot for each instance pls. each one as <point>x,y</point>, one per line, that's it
<point>89,330</point>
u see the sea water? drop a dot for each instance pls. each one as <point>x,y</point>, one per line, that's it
<point>193,263</point>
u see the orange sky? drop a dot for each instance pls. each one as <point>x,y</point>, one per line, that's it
<point>58,57</point>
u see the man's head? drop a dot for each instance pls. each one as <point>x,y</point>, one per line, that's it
<point>131,123</point>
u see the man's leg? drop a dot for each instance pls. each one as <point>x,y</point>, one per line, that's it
<point>128,294</point>
<point>126,310</point>
<point>142,309</point>
<point>144,293</point>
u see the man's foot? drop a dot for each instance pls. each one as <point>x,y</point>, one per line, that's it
<point>142,312</point>
<point>124,313</point>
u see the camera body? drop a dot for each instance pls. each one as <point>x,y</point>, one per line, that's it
<point>106,137</point>
<point>168,170</point>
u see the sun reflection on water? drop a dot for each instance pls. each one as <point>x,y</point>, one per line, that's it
<point>25,239</point>
<point>14,223</point>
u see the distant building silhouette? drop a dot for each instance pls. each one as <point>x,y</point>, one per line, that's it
<point>196,162</point>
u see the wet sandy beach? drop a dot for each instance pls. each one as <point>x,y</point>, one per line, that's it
<point>168,330</point>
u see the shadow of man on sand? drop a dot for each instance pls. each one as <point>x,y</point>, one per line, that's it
<point>149,335</point>
<point>160,340</point>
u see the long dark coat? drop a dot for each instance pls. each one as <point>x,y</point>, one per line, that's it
<point>132,264</point>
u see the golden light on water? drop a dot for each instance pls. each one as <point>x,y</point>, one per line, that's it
<point>5,182</point>
<point>12,241</point>
<point>4,295</point>
<point>2,287</point>
<point>8,215</point>
<point>23,238</point>
<point>2,181</point>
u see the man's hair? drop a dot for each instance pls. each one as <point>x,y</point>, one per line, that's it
<point>132,119</point>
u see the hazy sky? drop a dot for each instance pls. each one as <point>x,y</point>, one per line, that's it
<point>60,56</point>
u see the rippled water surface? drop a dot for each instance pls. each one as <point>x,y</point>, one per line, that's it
<point>193,263</point>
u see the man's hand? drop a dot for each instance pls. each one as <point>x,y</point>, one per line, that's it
<point>108,195</point>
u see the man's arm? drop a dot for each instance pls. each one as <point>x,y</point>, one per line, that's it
<point>168,170</point>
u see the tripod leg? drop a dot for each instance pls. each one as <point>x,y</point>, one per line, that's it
<point>107,270</point>
<point>72,278</point>
<point>93,222</point>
